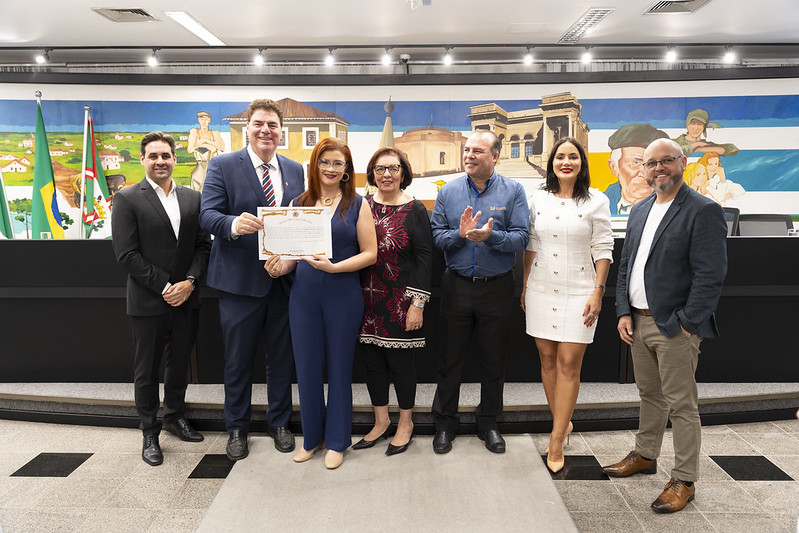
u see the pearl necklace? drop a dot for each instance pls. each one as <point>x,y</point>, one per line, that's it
<point>328,200</point>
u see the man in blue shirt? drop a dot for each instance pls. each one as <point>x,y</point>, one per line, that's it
<point>480,221</point>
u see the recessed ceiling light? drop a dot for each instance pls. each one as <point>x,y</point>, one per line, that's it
<point>191,24</point>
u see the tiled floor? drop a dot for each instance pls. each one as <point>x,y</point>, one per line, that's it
<point>75,478</point>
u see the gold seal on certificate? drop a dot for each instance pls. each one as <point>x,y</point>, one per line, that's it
<point>293,232</point>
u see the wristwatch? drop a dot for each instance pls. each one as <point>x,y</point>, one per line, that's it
<point>193,280</point>
<point>419,304</point>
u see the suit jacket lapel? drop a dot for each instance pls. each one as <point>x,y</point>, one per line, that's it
<point>251,176</point>
<point>634,233</point>
<point>183,205</point>
<point>674,208</point>
<point>151,196</point>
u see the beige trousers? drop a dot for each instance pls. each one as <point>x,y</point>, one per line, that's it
<point>665,372</point>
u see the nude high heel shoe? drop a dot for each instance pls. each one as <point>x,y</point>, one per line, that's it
<point>555,466</point>
<point>565,436</point>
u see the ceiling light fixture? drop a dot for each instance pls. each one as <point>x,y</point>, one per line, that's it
<point>386,60</point>
<point>591,18</point>
<point>153,59</point>
<point>447,56</point>
<point>259,58</point>
<point>671,55</point>
<point>44,57</point>
<point>191,24</point>
<point>729,55</point>
<point>586,57</point>
<point>330,59</point>
<point>528,57</point>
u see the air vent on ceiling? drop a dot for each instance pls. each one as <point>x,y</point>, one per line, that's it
<point>124,15</point>
<point>675,6</point>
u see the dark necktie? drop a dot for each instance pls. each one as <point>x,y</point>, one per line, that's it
<point>269,192</point>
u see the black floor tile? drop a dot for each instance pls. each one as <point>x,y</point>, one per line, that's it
<point>579,468</point>
<point>750,468</point>
<point>213,466</point>
<point>52,465</point>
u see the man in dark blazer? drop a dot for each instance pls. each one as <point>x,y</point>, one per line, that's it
<point>158,240</point>
<point>253,307</point>
<point>670,275</point>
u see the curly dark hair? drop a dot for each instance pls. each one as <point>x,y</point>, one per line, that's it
<point>583,182</point>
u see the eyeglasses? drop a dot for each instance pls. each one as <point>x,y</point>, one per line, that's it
<point>666,161</point>
<point>392,169</point>
<point>337,166</point>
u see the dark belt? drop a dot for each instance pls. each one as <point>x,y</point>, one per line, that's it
<point>645,312</point>
<point>478,279</point>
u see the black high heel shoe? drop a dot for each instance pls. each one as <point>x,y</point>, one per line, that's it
<point>394,450</point>
<point>363,443</point>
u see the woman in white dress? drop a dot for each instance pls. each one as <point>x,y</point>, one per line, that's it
<point>565,268</point>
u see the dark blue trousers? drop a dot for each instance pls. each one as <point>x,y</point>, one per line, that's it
<point>245,321</point>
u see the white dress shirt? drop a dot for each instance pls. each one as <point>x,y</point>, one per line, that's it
<point>172,208</point>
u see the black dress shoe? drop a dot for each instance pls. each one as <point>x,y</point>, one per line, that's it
<point>284,440</point>
<point>183,430</point>
<point>494,441</point>
<point>363,443</point>
<point>394,450</point>
<point>442,442</point>
<point>151,451</point>
<point>237,445</point>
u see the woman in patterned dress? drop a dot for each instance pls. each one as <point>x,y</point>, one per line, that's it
<point>395,290</point>
<point>565,268</point>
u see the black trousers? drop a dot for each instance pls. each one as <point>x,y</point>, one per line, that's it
<point>170,335</point>
<point>485,309</point>
<point>381,364</point>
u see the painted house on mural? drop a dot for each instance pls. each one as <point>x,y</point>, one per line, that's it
<point>14,166</point>
<point>527,136</point>
<point>303,127</point>
<point>110,160</point>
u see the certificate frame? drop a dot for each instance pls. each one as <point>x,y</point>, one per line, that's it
<point>294,232</point>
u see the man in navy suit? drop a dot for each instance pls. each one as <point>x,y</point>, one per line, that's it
<point>158,240</point>
<point>672,267</point>
<point>252,306</point>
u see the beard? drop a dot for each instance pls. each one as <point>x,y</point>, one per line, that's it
<point>673,181</point>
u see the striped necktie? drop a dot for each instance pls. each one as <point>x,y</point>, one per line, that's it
<point>269,192</point>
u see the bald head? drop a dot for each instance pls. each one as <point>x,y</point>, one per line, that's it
<point>663,144</point>
<point>664,164</point>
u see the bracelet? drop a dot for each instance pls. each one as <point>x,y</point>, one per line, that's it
<point>420,305</point>
<point>598,286</point>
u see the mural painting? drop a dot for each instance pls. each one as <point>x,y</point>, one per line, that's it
<point>751,163</point>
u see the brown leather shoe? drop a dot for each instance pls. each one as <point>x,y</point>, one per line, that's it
<point>674,497</point>
<point>632,464</point>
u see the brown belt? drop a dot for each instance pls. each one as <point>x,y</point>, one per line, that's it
<point>645,312</point>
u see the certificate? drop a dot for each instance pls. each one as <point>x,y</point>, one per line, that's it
<point>293,232</point>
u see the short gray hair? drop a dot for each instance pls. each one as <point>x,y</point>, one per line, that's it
<point>496,144</point>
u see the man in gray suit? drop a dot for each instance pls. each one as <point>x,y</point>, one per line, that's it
<point>158,240</point>
<point>672,267</point>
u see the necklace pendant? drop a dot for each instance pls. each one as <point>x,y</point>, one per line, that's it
<point>327,200</point>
